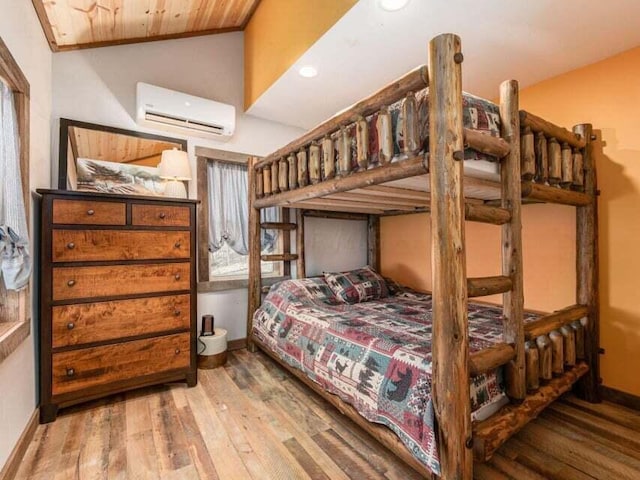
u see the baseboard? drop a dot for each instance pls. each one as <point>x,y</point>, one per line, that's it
<point>232,345</point>
<point>10,468</point>
<point>621,398</point>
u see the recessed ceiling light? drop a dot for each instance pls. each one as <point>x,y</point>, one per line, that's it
<point>392,5</point>
<point>308,71</point>
<point>187,104</point>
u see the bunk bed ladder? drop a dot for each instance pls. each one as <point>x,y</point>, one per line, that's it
<point>285,227</point>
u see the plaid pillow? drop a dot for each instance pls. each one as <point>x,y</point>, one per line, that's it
<point>357,286</point>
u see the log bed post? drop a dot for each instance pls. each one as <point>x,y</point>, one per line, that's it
<point>512,301</point>
<point>450,324</point>
<point>300,263</point>
<point>373,242</point>
<point>587,270</point>
<point>254,253</point>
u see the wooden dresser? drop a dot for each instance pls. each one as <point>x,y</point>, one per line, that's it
<point>117,295</point>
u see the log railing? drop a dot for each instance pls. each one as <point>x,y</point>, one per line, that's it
<point>554,344</point>
<point>551,155</point>
<point>555,358</point>
<point>337,152</point>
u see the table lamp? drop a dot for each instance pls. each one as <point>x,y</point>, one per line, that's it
<point>174,166</point>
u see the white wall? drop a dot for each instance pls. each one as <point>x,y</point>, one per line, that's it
<point>21,31</point>
<point>98,86</point>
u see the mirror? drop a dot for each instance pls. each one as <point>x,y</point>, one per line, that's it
<point>97,158</point>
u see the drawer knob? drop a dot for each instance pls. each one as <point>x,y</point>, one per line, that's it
<point>161,215</point>
<point>177,312</point>
<point>71,326</point>
<point>178,276</point>
<point>177,245</point>
<point>71,372</point>
<point>91,211</point>
<point>71,245</point>
<point>71,283</point>
<point>177,351</point>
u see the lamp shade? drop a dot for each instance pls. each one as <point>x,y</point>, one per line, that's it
<point>174,164</point>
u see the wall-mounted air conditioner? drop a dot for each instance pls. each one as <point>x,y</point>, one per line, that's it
<point>175,111</point>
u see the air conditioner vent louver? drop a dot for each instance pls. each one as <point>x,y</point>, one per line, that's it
<point>161,108</point>
<point>183,123</point>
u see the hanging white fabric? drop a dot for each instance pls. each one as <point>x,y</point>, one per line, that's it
<point>229,209</point>
<point>14,233</point>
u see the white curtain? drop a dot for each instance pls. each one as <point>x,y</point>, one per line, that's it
<point>229,209</point>
<point>14,233</point>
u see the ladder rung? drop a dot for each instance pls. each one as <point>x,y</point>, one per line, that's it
<point>279,257</point>
<point>486,214</point>
<point>278,226</point>
<point>480,287</point>
<point>490,358</point>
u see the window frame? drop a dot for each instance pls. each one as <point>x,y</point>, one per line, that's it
<point>205,282</point>
<point>13,335</point>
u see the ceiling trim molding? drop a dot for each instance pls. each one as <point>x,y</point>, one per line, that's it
<point>156,38</point>
<point>46,26</point>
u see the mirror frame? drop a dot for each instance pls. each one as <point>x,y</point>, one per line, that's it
<point>65,123</point>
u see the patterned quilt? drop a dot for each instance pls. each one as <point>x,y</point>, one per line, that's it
<point>375,355</point>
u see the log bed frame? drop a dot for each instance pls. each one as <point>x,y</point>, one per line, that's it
<point>540,162</point>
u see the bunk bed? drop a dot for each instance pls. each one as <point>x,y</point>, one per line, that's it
<point>405,150</point>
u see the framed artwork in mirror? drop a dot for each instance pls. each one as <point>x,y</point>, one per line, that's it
<point>98,158</point>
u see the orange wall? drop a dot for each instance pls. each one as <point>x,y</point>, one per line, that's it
<point>279,32</point>
<point>606,94</point>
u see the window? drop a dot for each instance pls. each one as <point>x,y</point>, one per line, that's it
<point>228,223</point>
<point>223,225</point>
<point>15,305</point>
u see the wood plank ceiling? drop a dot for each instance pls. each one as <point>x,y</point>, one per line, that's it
<point>73,24</point>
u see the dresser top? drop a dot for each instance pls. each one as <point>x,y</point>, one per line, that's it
<point>112,196</point>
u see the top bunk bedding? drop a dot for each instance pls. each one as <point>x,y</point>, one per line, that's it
<point>478,114</point>
<point>374,354</point>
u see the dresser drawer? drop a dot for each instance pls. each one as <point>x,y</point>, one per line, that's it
<point>91,367</point>
<point>101,321</point>
<point>89,212</point>
<point>96,245</point>
<point>90,282</point>
<point>161,216</point>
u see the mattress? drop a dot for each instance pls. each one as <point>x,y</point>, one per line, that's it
<point>375,355</point>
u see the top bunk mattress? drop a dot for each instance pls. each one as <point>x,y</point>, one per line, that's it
<point>375,355</point>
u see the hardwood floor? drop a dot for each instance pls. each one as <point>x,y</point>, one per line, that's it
<point>251,420</point>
